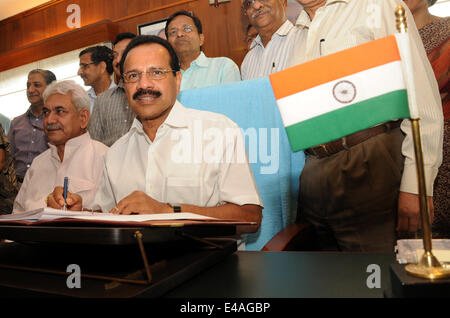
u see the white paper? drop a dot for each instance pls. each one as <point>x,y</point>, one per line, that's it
<point>52,214</point>
<point>408,250</point>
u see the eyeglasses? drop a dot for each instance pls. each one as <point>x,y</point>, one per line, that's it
<point>83,66</point>
<point>186,29</point>
<point>247,4</point>
<point>153,73</point>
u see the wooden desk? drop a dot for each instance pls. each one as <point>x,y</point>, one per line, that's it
<point>289,275</point>
<point>242,275</point>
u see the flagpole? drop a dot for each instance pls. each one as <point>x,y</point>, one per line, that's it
<point>428,266</point>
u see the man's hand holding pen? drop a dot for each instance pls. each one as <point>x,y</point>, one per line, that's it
<point>55,200</point>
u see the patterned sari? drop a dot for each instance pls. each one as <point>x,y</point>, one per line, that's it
<point>436,40</point>
<point>8,181</point>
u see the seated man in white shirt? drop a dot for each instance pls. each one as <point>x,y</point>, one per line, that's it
<point>72,152</point>
<point>168,162</point>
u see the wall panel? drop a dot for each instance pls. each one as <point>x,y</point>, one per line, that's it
<point>223,26</point>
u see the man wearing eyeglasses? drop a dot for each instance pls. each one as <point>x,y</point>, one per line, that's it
<point>184,32</point>
<point>96,69</point>
<point>277,38</point>
<point>167,161</point>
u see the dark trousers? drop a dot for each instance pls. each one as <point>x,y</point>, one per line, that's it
<point>351,197</point>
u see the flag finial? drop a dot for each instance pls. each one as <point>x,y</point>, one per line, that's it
<point>400,15</point>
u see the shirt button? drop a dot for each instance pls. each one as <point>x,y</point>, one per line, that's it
<point>34,129</point>
<point>28,166</point>
<point>125,120</point>
<point>32,141</point>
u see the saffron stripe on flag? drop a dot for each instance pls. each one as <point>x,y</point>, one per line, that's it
<point>370,83</point>
<point>331,67</point>
<point>347,120</point>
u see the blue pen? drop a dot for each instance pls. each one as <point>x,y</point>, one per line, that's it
<point>66,186</point>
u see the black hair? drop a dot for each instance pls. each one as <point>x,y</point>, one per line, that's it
<point>48,76</point>
<point>149,39</point>
<point>100,53</point>
<point>197,22</point>
<point>123,36</point>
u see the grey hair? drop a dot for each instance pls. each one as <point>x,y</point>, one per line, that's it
<point>80,98</point>
<point>48,76</point>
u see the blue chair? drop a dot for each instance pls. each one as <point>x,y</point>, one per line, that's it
<point>252,106</point>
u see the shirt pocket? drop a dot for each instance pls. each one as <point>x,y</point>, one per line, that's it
<point>80,186</point>
<point>182,190</point>
<point>356,37</point>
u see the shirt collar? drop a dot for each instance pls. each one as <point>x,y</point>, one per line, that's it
<point>283,30</point>
<point>303,19</point>
<point>30,114</point>
<point>176,118</point>
<point>201,60</point>
<point>71,145</point>
<point>91,91</point>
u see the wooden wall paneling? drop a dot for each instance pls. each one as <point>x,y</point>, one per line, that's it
<point>98,32</point>
<point>36,32</point>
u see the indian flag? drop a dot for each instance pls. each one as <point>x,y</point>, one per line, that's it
<point>341,93</point>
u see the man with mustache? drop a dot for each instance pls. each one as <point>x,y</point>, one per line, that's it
<point>95,70</point>
<point>72,153</point>
<point>112,116</point>
<point>360,191</point>
<point>145,171</point>
<point>26,134</point>
<point>184,32</point>
<point>277,38</point>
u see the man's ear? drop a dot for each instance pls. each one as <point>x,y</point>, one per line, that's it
<point>202,39</point>
<point>102,64</point>
<point>84,115</point>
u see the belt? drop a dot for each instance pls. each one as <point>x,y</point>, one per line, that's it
<point>349,141</point>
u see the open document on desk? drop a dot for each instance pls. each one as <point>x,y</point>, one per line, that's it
<point>47,214</point>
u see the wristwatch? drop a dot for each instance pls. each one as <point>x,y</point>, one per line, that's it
<point>176,208</point>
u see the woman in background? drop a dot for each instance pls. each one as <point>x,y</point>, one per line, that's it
<point>435,33</point>
<point>8,182</point>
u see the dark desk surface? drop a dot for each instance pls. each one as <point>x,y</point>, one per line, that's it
<point>241,275</point>
<point>289,275</point>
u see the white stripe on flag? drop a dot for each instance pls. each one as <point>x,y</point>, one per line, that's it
<point>319,100</point>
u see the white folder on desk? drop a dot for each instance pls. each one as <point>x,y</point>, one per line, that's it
<point>53,214</point>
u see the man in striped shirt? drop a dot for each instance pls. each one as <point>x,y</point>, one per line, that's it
<point>358,190</point>
<point>277,38</point>
<point>112,117</point>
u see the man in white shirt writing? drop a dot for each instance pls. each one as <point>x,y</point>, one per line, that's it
<point>72,153</point>
<point>173,159</point>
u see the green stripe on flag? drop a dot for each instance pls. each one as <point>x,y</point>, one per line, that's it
<point>347,120</point>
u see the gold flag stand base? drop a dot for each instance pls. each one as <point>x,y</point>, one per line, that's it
<point>428,267</point>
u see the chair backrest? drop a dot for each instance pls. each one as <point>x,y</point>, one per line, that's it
<point>252,106</point>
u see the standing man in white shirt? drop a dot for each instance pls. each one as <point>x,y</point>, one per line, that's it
<point>96,69</point>
<point>112,116</point>
<point>72,153</point>
<point>184,32</point>
<point>277,38</point>
<point>146,171</point>
<point>358,190</point>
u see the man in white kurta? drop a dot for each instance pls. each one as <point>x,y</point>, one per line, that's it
<point>185,164</point>
<point>174,159</point>
<point>72,152</point>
